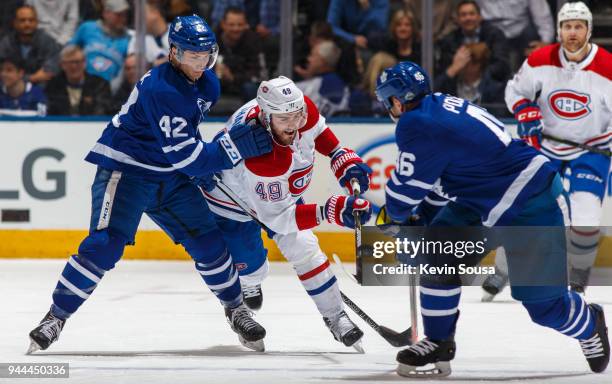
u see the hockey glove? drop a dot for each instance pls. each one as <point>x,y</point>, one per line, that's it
<point>244,141</point>
<point>347,165</point>
<point>415,219</point>
<point>339,210</point>
<point>207,182</point>
<point>529,120</point>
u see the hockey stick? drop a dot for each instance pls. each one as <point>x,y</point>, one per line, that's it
<point>579,145</point>
<point>392,337</point>
<point>357,217</point>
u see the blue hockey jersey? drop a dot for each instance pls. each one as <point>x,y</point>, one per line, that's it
<point>463,152</point>
<point>156,131</point>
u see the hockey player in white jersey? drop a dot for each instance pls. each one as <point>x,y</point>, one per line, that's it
<point>564,91</point>
<point>273,185</point>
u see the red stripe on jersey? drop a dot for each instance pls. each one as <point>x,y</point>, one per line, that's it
<point>548,55</point>
<point>271,164</point>
<point>588,142</point>
<point>315,271</point>
<point>306,216</point>
<point>326,142</point>
<point>223,202</point>
<point>521,101</point>
<point>312,115</point>
<point>583,233</point>
<point>601,63</point>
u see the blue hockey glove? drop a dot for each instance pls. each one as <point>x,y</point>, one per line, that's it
<point>339,210</point>
<point>244,141</point>
<point>347,165</point>
<point>529,120</point>
<point>206,181</point>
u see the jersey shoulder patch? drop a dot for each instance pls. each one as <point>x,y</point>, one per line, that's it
<point>548,55</point>
<point>312,115</point>
<point>271,164</point>
<point>601,64</point>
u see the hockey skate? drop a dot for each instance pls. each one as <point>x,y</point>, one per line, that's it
<point>249,332</point>
<point>345,331</point>
<point>493,285</point>
<point>253,296</point>
<point>579,279</point>
<point>597,348</point>
<point>412,361</point>
<point>46,333</point>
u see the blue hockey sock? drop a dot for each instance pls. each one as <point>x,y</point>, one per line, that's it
<point>77,281</point>
<point>222,278</point>
<point>568,314</point>
<point>439,308</point>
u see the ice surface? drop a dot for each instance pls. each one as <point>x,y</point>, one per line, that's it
<point>156,322</point>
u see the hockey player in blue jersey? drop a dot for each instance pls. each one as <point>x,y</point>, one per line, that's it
<point>146,158</point>
<point>459,149</point>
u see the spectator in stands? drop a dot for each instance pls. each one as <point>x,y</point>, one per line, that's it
<point>527,24</point>
<point>268,29</point>
<point>269,18</point>
<point>105,42</point>
<point>7,14</point>
<point>130,77</point>
<point>59,18</point>
<point>363,101</point>
<point>34,46</point>
<point>323,85</point>
<point>454,54</point>
<point>157,24</point>
<point>443,13</point>
<point>357,21</point>
<point>238,65</point>
<point>403,40</point>
<point>347,66</point>
<point>19,97</point>
<point>74,92</point>
<point>219,9</point>
<point>474,82</point>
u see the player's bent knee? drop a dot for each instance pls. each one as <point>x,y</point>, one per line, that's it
<point>206,248</point>
<point>585,209</point>
<point>257,276</point>
<point>103,249</point>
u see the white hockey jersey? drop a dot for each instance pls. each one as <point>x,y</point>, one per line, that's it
<point>575,98</point>
<point>273,183</point>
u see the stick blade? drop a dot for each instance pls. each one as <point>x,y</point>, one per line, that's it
<point>396,339</point>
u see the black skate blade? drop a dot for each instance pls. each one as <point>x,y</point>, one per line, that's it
<point>396,339</point>
<point>439,369</point>
<point>257,345</point>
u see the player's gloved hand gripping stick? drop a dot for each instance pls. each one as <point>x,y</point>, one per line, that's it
<point>392,337</point>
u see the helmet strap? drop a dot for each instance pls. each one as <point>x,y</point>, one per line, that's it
<point>579,54</point>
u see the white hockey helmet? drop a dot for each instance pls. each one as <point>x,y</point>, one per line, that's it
<point>279,95</point>
<point>575,11</point>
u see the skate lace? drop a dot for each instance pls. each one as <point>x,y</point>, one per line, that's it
<point>242,318</point>
<point>51,329</point>
<point>341,324</point>
<point>592,347</point>
<point>249,292</point>
<point>423,347</point>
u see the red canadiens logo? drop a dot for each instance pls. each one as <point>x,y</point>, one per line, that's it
<point>241,266</point>
<point>299,180</point>
<point>569,104</point>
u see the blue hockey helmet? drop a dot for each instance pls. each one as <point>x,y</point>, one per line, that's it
<point>191,33</point>
<point>406,80</point>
